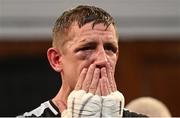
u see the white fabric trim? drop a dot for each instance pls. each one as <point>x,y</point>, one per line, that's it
<point>47,104</point>
<point>40,110</point>
<point>37,112</point>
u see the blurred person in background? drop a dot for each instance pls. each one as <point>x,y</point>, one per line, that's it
<point>149,106</point>
<point>85,52</point>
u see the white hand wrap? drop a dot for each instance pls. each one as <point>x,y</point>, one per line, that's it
<point>112,105</point>
<point>82,104</point>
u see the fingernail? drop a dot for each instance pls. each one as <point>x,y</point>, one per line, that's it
<point>93,65</point>
<point>98,70</point>
<point>103,68</point>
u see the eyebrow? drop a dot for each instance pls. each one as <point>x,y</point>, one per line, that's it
<point>90,43</point>
<point>94,41</point>
<point>113,46</point>
<point>111,43</point>
<point>86,40</point>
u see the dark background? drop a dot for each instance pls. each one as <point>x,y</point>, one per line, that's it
<point>145,68</point>
<point>26,80</point>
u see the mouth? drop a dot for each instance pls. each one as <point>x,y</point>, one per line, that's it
<point>100,67</point>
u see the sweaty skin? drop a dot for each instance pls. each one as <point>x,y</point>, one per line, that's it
<point>87,62</point>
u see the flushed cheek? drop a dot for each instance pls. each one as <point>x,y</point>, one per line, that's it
<point>84,55</point>
<point>84,64</point>
<point>85,59</point>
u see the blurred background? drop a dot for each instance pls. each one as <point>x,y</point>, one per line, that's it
<point>148,65</point>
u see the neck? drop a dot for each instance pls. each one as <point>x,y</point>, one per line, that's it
<point>60,100</point>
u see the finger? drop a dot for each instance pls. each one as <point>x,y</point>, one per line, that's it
<point>114,83</point>
<point>103,72</point>
<point>104,89</point>
<point>110,77</point>
<point>94,83</point>
<point>98,90</point>
<point>81,79</point>
<point>87,81</point>
<point>105,77</point>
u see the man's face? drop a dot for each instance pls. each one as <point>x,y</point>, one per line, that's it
<point>88,46</point>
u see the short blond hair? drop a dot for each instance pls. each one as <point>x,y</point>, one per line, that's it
<point>81,14</point>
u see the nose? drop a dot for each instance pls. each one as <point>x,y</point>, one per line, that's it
<point>101,58</point>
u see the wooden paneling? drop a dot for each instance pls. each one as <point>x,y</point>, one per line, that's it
<point>150,69</point>
<point>23,48</point>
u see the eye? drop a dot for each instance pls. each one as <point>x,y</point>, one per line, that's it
<point>110,47</point>
<point>86,47</point>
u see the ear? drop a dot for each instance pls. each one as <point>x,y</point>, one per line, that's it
<point>54,57</point>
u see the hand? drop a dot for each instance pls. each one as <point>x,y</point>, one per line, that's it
<point>90,80</point>
<point>94,92</point>
<point>111,79</point>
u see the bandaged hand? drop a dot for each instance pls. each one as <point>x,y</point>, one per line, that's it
<point>82,104</point>
<point>112,105</point>
<point>95,95</point>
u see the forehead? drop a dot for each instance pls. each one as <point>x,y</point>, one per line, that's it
<point>99,31</point>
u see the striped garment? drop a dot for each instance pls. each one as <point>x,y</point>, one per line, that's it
<point>82,104</point>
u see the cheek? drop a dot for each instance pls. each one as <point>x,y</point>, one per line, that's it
<point>84,55</point>
<point>72,76</point>
<point>85,58</point>
<point>70,70</point>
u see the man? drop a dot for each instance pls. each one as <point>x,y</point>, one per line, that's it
<point>84,52</point>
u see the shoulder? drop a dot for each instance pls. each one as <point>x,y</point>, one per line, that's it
<point>127,113</point>
<point>46,109</point>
